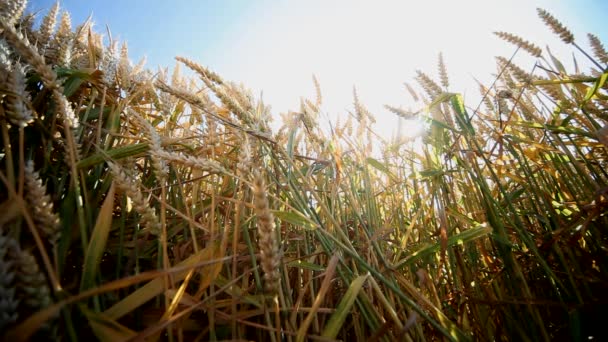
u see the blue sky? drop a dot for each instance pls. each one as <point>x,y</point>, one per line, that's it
<point>276,46</point>
<point>159,30</point>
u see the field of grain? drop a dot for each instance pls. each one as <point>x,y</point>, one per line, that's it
<point>148,205</point>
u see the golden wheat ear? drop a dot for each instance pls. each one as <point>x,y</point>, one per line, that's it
<point>17,111</point>
<point>41,205</point>
<point>443,72</point>
<point>12,11</point>
<point>267,238</point>
<point>430,87</point>
<point>532,49</point>
<point>133,191</point>
<point>520,74</point>
<point>556,26</point>
<point>47,26</point>
<point>598,48</point>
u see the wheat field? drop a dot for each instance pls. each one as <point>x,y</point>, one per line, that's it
<point>141,204</point>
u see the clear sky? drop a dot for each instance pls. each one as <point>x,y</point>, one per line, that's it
<point>276,46</point>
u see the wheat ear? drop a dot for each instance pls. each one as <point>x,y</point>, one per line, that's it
<point>443,72</point>
<point>8,299</point>
<point>17,111</point>
<point>556,26</point>
<point>41,205</point>
<point>11,11</point>
<point>598,48</point>
<point>431,88</point>
<point>48,25</point>
<point>160,166</point>
<point>267,238</point>
<point>63,41</point>
<point>520,42</point>
<point>125,184</point>
<point>520,74</point>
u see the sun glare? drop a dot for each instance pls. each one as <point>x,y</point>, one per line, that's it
<point>373,48</point>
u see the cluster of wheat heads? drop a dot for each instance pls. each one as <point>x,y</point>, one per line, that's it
<point>140,205</point>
